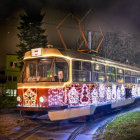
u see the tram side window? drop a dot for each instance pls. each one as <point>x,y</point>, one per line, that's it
<point>120,75</point>
<point>86,72</point>
<point>138,80</point>
<point>22,77</point>
<point>81,71</point>
<point>138,77</point>
<point>133,77</point>
<point>127,76</point>
<point>98,73</point>
<point>110,76</point>
<point>76,70</point>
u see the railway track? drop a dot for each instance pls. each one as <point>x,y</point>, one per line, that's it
<point>73,130</point>
<point>27,134</point>
<point>76,132</point>
<point>23,134</point>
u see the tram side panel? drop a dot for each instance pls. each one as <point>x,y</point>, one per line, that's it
<point>78,95</point>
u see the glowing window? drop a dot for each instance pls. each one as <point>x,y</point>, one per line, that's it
<point>120,75</point>
<point>99,68</point>
<point>98,73</point>
<point>81,71</point>
<point>111,76</point>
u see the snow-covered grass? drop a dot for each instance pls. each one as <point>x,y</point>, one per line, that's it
<point>124,127</point>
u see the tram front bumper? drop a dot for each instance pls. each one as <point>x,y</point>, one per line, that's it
<point>71,113</point>
<point>40,108</point>
<point>60,113</point>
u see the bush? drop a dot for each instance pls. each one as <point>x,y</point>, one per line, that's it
<point>8,102</point>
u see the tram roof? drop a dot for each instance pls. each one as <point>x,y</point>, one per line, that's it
<point>86,56</point>
<point>76,55</point>
<point>58,52</point>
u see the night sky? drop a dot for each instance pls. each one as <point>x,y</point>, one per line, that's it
<point>124,13</point>
<point>123,8</point>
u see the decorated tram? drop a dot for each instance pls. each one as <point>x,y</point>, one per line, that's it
<point>65,84</point>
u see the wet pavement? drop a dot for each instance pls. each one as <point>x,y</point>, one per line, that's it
<point>13,126</point>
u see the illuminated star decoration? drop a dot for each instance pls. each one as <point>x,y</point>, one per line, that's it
<point>30,97</point>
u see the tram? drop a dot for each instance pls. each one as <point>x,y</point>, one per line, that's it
<point>66,84</point>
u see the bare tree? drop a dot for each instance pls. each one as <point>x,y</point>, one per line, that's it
<point>115,46</point>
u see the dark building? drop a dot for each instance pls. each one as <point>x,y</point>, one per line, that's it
<point>2,82</point>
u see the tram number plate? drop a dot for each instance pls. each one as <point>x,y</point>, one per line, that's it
<point>37,52</point>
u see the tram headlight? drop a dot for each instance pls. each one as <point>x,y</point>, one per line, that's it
<point>19,99</point>
<point>41,99</point>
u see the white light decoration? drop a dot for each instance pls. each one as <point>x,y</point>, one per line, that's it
<point>101,91</point>
<point>65,95</point>
<point>97,67</point>
<point>85,95</point>
<point>138,91</point>
<point>55,97</point>
<point>134,91</point>
<point>42,99</point>
<point>19,99</point>
<point>30,97</point>
<point>118,93</point>
<point>94,96</point>
<point>73,97</point>
<point>113,92</point>
<point>61,96</point>
<point>108,93</point>
<point>122,91</point>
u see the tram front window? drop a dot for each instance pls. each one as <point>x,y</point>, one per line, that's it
<point>46,70</point>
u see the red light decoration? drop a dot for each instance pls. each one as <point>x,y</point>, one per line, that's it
<point>85,95</point>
